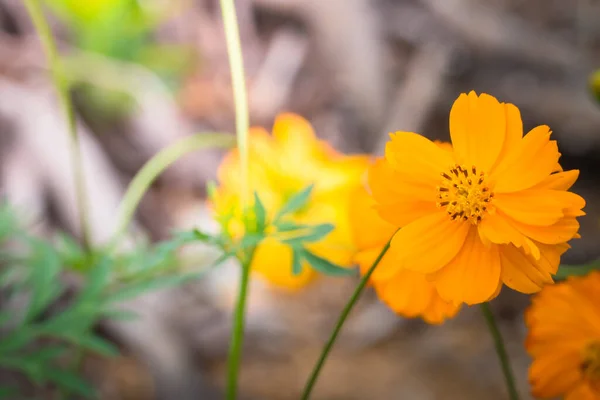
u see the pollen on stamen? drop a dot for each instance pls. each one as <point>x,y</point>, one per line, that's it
<point>464,194</point>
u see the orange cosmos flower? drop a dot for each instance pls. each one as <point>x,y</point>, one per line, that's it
<point>281,165</point>
<point>408,293</point>
<point>493,210</point>
<point>564,339</point>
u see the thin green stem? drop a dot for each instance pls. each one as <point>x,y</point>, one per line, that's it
<point>501,351</point>
<point>237,333</point>
<point>240,97</point>
<point>62,87</point>
<point>338,327</point>
<point>242,124</point>
<point>155,166</point>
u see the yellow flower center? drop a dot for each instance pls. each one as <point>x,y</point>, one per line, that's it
<point>590,364</point>
<point>464,194</point>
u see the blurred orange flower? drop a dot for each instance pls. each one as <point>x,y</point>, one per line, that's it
<point>408,293</point>
<point>564,339</point>
<point>281,165</point>
<point>496,209</point>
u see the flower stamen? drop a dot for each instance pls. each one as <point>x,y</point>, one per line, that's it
<point>464,194</point>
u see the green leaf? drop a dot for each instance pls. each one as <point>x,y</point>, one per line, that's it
<point>8,221</point>
<point>68,380</point>
<point>564,271</point>
<point>286,226</point>
<point>97,344</point>
<point>295,202</point>
<point>315,234</point>
<point>324,266</point>
<point>137,289</point>
<point>250,240</point>
<point>211,190</point>
<point>16,340</point>
<point>119,315</point>
<point>76,318</point>
<point>296,262</point>
<point>96,281</point>
<point>203,237</point>
<point>260,213</point>
<point>44,278</point>
<point>70,251</point>
<point>5,317</point>
<point>7,392</point>
<point>46,354</point>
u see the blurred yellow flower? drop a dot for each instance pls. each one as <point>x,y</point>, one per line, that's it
<point>281,165</point>
<point>564,339</point>
<point>496,209</point>
<point>407,293</point>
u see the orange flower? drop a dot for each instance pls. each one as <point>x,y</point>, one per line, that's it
<point>564,339</point>
<point>493,210</point>
<point>408,293</point>
<point>281,165</point>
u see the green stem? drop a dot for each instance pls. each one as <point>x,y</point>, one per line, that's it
<point>237,333</point>
<point>37,16</point>
<point>345,312</point>
<point>236,64</point>
<point>501,351</point>
<point>242,124</point>
<point>155,166</point>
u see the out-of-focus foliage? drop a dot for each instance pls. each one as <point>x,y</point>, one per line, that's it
<point>257,227</point>
<point>595,85</point>
<point>122,30</point>
<point>42,327</point>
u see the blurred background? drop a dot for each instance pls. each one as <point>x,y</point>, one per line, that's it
<point>145,73</point>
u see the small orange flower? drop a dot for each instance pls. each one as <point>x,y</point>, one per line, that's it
<point>408,293</point>
<point>281,165</point>
<point>496,209</point>
<point>564,339</point>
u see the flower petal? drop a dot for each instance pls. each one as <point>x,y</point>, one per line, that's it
<point>477,129</point>
<point>555,373</point>
<point>403,213</point>
<point>550,254</point>
<point>533,207</point>
<point>425,245</point>
<point>533,160</point>
<point>572,203</point>
<point>472,277</point>
<point>407,293</point>
<point>417,158</point>
<point>389,186</point>
<point>520,272</point>
<point>514,132</point>
<point>297,139</point>
<point>562,231</point>
<point>559,181</point>
<point>402,202</point>
<point>497,229</point>
<point>368,228</point>
<point>583,391</point>
<point>273,261</point>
